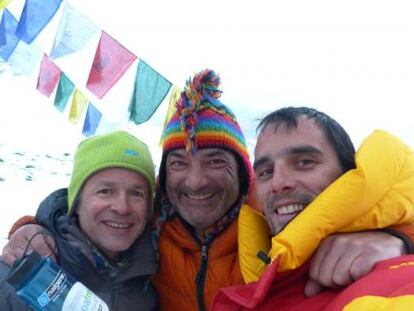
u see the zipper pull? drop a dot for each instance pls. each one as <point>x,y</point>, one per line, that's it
<point>204,250</point>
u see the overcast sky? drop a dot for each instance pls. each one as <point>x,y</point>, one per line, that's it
<point>351,59</point>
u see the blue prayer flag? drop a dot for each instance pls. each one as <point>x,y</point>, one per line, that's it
<point>2,34</point>
<point>35,16</point>
<point>73,32</point>
<point>149,91</point>
<point>9,42</point>
<point>92,119</point>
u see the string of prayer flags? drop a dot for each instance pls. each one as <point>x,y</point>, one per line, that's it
<point>110,63</point>
<point>25,58</point>
<point>48,77</point>
<point>8,27</point>
<point>79,103</point>
<point>63,92</point>
<point>35,16</point>
<point>92,119</point>
<point>4,3</point>
<point>73,32</point>
<point>149,91</point>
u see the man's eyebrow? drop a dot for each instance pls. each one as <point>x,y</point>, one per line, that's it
<point>215,153</point>
<point>175,154</point>
<point>289,151</point>
<point>112,183</point>
<point>105,182</point>
<point>302,149</point>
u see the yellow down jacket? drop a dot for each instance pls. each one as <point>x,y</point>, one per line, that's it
<point>378,193</point>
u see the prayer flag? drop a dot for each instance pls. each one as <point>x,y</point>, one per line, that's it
<point>174,97</point>
<point>110,63</point>
<point>4,3</point>
<point>49,75</point>
<point>92,119</point>
<point>149,91</point>
<point>24,59</point>
<point>63,92</point>
<point>2,32</point>
<point>79,103</point>
<point>73,32</point>
<point>8,27</point>
<point>35,16</point>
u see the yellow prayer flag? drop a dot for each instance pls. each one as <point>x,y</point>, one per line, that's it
<point>79,103</point>
<point>174,96</point>
<point>4,3</point>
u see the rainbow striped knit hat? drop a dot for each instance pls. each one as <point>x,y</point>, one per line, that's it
<point>202,121</point>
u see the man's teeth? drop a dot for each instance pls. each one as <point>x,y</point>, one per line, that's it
<point>117,225</point>
<point>290,209</point>
<point>199,197</point>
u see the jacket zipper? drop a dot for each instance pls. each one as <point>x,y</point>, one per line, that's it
<point>115,297</point>
<point>201,277</point>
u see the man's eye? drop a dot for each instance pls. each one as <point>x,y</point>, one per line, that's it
<point>137,193</point>
<point>177,164</point>
<point>263,174</point>
<point>306,163</point>
<point>216,162</point>
<point>104,191</point>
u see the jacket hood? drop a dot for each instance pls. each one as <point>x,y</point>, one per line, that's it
<point>378,193</point>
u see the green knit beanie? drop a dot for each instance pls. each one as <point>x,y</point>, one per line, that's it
<point>116,149</point>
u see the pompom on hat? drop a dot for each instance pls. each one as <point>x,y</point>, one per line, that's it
<point>202,121</point>
<point>117,149</point>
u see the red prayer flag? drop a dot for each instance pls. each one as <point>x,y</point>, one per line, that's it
<point>49,75</point>
<point>110,63</point>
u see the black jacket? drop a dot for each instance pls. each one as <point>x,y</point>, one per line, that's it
<point>123,286</point>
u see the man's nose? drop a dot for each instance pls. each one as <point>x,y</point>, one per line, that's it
<point>196,177</point>
<point>121,204</point>
<point>283,179</point>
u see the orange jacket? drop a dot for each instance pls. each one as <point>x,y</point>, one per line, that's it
<point>181,262</point>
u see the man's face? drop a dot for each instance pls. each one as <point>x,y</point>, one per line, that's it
<point>113,209</point>
<point>292,166</point>
<point>203,186</point>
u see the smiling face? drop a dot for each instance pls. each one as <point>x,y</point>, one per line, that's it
<point>203,186</point>
<point>292,166</point>
<point>113,209</point>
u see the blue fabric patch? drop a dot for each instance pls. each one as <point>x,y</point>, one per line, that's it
<point>131,152</point>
